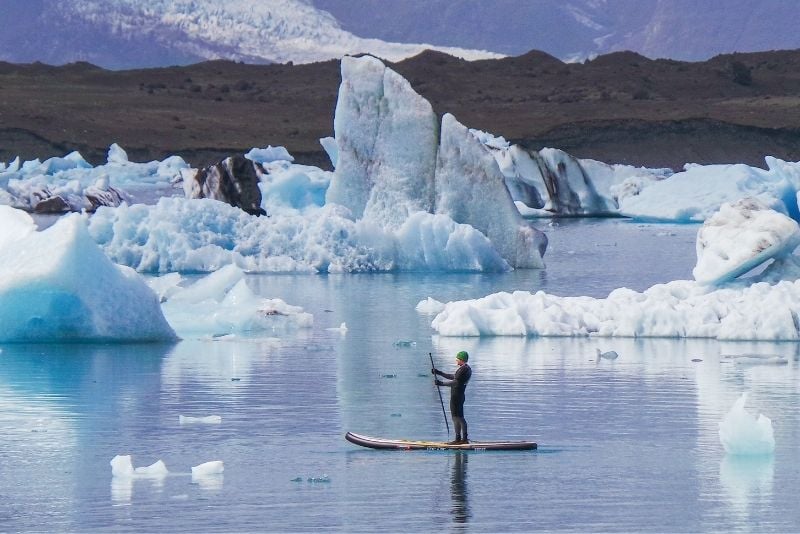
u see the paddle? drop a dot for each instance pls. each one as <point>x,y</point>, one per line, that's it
<point>444,413</point>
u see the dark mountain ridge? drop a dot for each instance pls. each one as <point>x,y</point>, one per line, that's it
<point>618,108</point>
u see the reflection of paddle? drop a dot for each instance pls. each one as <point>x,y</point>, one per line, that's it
<point>444,413</point>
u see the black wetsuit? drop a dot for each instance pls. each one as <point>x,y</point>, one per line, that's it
<point>457,382</point>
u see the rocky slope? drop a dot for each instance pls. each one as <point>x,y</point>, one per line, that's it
<point>618,108</point>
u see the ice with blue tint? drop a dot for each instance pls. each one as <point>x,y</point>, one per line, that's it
<point>285,186</point>
<point>221,303</point>
<point>744,434</point>
<point>57,285</point>
<point>696,193</point>
<point>202,235</point>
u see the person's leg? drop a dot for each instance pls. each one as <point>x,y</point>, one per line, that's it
<point>458,426</point>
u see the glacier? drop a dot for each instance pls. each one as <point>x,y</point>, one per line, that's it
<point>268,31</point>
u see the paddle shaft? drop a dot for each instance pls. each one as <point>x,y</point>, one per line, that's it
<point>444,413</point>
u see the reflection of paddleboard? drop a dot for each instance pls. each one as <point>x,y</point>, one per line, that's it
<point>410,445</point>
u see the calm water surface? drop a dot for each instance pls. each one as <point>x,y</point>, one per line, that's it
<point>628,445</point>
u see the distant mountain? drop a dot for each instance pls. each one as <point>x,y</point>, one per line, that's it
<point>148,33</point>
<point>689,30</point>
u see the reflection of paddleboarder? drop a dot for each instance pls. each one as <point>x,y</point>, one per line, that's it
<point>457,382</point>
<point>458,488</point>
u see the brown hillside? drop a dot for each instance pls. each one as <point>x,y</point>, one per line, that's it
<point>618,108</point>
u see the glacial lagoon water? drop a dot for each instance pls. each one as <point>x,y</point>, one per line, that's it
<point>625,445</point>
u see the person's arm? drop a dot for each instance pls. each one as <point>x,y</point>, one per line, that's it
<point>448,376</point>
<point>457,379</point>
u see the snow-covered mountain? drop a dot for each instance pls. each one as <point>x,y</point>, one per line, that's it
<point>572,29</point>
<point>144,33</point>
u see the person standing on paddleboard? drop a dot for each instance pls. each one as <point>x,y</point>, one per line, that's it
<point>457,382</point>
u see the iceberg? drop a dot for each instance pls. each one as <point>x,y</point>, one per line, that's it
<point>221,303</point>
<point>679,309</point>
<point>741,236</point>
<point>203,235</point>
<point>551,182</point>
<point>471,190</point>
<point>393,160</point>
<point>696,193</point>
<point>716,305</point>
<point>386,136</point>
<point>57,285</point>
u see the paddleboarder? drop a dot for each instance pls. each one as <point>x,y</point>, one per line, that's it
<point>457,382</point>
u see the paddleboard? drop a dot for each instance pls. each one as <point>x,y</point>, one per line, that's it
<point>411,445</point>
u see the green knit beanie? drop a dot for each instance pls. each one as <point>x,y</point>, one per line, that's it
<point>463,356</point>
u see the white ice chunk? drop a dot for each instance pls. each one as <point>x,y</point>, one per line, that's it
<point>215,467</point>
<point>116,154</point>
<point>429,306</point>
<point>743,434</point>
<point>205,420</point>
<point>756,359</point>
<point>682,308</point>
<point>331,148</point>
<point>269,154</point>
<point>741,236</point>
<point>154,470</point>
<point>122,466</point>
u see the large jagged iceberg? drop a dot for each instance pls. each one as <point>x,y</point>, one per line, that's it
<point>57,285</point>
<point>386,136</point>
<point>392,162</point>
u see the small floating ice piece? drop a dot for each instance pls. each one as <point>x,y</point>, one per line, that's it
<point>403,343</point>
<point>157,469</point>
<point>215,467</point>
<point>743,434</point>
<point>341,328</point>
<point>323,478</point>
<point>756,359</point>
<point>122,466</point>
<point>207,420</point>
<point>430,306</point>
